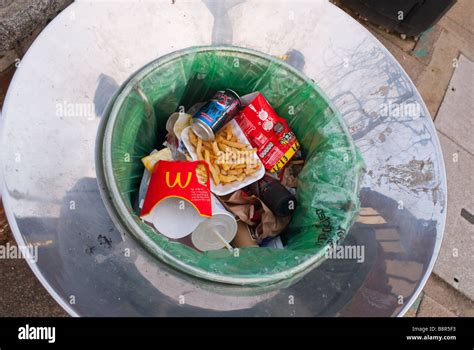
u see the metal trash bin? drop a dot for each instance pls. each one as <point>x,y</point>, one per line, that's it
<point>328,185</point>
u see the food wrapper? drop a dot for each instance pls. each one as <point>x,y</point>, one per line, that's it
<point>252,211</point>
<point>289,174</point>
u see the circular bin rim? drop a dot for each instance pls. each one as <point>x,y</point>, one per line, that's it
<point>122,216</point>
<point>334,19</point>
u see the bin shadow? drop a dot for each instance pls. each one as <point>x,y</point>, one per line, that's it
<point>104,272</point>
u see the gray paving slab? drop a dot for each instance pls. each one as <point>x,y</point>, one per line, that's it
<point>456,258</point>
<point>455,117</point>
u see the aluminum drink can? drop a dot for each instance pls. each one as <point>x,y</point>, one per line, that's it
<point>220,110</point>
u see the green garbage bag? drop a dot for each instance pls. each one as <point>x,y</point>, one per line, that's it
<point>328,185</point>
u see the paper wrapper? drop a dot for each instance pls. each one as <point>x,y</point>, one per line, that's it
<point>243,237</point>
<point>252,211</point>
<point>289,174</point>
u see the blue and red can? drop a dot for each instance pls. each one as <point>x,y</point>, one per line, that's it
<point>220,110</point>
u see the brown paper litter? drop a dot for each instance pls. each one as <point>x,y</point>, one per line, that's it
<point>245,207</point>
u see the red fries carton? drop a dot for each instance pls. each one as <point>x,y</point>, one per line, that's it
<point>267,132</point>
<point>172,182</point>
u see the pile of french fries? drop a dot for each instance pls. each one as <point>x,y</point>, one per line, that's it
<point>229,159</point>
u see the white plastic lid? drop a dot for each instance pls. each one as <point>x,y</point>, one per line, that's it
<point>205,239</point>
<point>175,218</point>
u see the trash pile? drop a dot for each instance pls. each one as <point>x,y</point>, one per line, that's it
<point>226,177</point>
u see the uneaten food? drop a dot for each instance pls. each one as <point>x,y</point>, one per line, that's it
<point>229,159</point>
<point>150,161</point>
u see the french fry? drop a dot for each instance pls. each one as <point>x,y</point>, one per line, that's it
<point>207,147</point>
<point>237,145</point>
<point>228,128</point>
<point>227,178</point>
<point>192,137</point>
<point>235,172</point>
<point>215,148</point>
<point>199,149</point>
<point>207,156</point>
<point>215,174</point>
<point>249,170</point>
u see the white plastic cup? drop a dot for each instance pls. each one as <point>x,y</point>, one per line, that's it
<point>204,237</point>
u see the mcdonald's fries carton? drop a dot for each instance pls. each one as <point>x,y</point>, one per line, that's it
<point>178,197</point>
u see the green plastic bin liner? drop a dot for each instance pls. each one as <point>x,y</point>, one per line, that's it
<point>327,194</point>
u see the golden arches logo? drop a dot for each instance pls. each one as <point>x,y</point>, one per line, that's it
<point>177,180</point>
